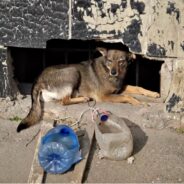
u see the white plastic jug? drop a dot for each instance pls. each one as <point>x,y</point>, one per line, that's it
<point>113,137</point>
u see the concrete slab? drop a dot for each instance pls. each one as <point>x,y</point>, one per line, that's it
<point>158,150</point>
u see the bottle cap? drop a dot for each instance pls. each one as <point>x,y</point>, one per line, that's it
<point>104,117</point>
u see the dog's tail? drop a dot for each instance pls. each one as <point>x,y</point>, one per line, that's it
<point>36,111</point>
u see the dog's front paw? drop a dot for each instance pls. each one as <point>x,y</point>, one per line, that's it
<point>155,95</point>
<point>86,99</point>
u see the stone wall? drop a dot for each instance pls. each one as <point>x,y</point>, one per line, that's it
<point>7,83</point>
<point>150,27</point>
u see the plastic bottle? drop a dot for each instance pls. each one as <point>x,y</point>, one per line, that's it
<point>59,150</point>
<point>113,137</point>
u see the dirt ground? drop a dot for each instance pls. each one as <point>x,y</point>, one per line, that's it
<point>158,149</point>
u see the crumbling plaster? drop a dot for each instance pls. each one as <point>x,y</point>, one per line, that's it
<point>149,27</point>
<point>153,28</point>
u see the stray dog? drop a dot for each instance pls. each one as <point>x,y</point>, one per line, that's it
<point>100,79</point>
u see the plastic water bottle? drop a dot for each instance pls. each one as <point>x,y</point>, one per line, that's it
<point>59,150</point>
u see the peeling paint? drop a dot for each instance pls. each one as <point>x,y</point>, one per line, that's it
<point>130,36</point>
<point>175,99</point>
<point>182,45</point>
<point>162,27</point>
<point>25,24</point>
<point>114,18</point>
<point>138,5</point>
<point>2,47</point>
<point>171,9</point>
<point>4,82</point>
<point>4,63</point>
<point>156,50</point>
<point>104,18</point>
<point>138,23</point>
<point>171,43</point>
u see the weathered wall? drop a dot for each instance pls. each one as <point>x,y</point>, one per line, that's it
<point>5,87</point>
<point>30,23</point>
<point>7,84</point>
<point>150,27</point>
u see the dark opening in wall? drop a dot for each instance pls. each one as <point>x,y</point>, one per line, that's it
<point>145,73</point>
<point>28,63</point>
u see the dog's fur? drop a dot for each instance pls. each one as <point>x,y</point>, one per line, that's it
<point>99,79</point>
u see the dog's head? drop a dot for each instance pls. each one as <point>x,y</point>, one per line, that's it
<point>116,61</point>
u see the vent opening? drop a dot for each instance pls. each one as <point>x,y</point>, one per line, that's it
<point>144,73</point>
<point>28,63</point>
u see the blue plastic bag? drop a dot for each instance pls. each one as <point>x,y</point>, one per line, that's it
<point>59,150</point>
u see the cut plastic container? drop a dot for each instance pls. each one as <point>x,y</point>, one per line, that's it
<point>113,137</point>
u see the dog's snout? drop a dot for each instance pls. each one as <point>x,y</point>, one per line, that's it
<point>113,72</point>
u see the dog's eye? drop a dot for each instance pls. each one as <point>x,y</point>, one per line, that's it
<point>109,62</point>
<point>121,63</point>
<point>122,60</point>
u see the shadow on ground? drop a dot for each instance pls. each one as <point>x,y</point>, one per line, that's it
<point>139,136</point>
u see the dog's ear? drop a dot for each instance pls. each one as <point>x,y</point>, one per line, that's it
<point>131,56</point>
<point>102,50</point>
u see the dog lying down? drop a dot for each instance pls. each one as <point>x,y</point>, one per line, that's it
<point>100,79</point>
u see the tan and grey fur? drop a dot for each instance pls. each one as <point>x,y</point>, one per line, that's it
<point>97,79</point>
